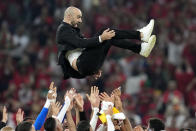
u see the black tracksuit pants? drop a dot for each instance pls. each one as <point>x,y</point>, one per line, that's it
<point>91,59</point>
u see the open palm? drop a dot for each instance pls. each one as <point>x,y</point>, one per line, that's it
<point>94,97</point>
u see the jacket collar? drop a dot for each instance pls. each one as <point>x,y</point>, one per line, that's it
<point>66,24</point>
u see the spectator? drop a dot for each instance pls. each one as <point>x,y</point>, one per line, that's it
<point>32,66</point>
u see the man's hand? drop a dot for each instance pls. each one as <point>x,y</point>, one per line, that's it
<point>107,34</point>
<point>94,97</point>
<point>52,92</point>
<point>109,111</point>
<point>105,97</point>
<point>97,75</point>
<point>55,108</point>
<point>117,92</point>
<point>5,115</point>
<point>79,102</point>
<point>118,103</point>
<point>71,94</point>
<point>19,116</point>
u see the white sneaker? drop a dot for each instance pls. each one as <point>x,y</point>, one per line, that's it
<point>146,48</point>
<point>147,31</point>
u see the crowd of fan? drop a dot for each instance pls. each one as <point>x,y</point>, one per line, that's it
<point>163,86</point>
<point>57,117</point>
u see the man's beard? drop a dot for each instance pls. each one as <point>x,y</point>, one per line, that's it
<point>74,24</point>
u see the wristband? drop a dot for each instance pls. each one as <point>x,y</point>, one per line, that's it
<point>54,117</point>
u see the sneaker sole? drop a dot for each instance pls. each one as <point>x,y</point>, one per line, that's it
<point>152,41</point>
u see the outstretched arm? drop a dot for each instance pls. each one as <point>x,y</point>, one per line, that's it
<point>51,97</point>
<point>110,125</point>
<point>68,99</point>
<point>19,116</point>
<point>78,105</point>
<point>70,122</point>
<point>118,105</point>
<point>95,101</point>
<point>66,35</point>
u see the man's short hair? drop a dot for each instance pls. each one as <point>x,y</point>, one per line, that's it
<point>7,128</point>
<point>156,124</point>
<point>50,124</point>
<point>24,126</point>
<point>29,119</point>
<point>83,126</point>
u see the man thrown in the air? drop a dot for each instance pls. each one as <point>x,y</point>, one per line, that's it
<point>80,57</point>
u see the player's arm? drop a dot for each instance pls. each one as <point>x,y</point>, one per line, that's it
<point>110,125</point>
<point>79,108</point>
<point>70,122</point>
<point>51,97</point>
<point>68,36</point>
<point>118,104</point>
<point>68,100</point>
<point>95,101</point>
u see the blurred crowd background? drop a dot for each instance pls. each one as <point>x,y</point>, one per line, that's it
<point>163,85</point>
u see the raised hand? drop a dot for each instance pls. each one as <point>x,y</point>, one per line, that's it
<point>94,97</point>
<point>52,92</point>
<point>107,34</point>
<point>118,103</point>
<point>79,102</point>
<point>71,94</point>
<point>19,116</point>
<point>117,91</point>
<point>5,115</point>
<point>55,108</point>
<point>105,97</point>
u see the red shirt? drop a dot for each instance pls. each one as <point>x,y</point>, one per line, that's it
<point>189,53</point>
<point>191,97</point>
<point>183,79</point>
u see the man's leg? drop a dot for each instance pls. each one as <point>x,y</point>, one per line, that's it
<point>142,34</point>
<point>143,49</point>
<point>126,34</point>
<point>91,59</point>
<point>136,48</point>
